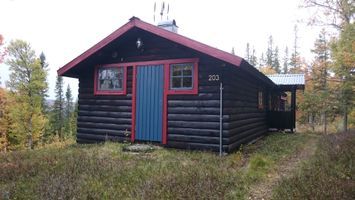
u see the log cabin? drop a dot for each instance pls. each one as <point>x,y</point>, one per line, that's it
<point>147,83</point>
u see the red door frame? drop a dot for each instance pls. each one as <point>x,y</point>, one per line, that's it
<point>166,86</point>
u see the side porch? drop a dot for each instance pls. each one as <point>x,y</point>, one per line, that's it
<point>282,108</point>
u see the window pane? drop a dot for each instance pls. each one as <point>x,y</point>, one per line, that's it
<point>176,71</point>
<point>181,76</point>
<point>110,78</point>
<point>187,82</point>
<point>187,70</point>
<point>176,82</point>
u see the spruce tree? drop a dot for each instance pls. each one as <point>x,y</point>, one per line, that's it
<point>68,111</point>
<point>344,68</point>
<point>59,107</point>
<point>285,61</point>
<point>44,94</point>
<point>295,57</point>
<point>319,78</point>
<point>270,52</point>
<point>253,59</point>
<point>247,52</point>
<point>276,63</point>
<point>262,60</point>
<point>27,81</point>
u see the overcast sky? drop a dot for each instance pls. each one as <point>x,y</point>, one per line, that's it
<point>63,29</point>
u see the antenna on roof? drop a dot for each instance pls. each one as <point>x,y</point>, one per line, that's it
<point>155,7</point>
<point>162,10</point>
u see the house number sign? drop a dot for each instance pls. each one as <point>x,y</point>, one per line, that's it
<point>213,77</point>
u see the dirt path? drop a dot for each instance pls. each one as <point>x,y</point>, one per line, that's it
<point>263,189</point>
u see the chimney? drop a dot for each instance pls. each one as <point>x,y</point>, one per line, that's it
<point>169,25</point>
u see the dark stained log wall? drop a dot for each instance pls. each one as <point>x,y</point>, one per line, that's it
<point>245,120</point>
<point>193,120</point>
<point>103,117</point>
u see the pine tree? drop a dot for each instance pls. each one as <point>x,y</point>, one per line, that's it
<point>276,63</point>
<point>285,61</point>
<point>344,68</point>
<point>295,57</point>
<point>68,111</point>
<point>59,108</point>
<point>270,52</point>
<point>247,52</point>
<point>321,63</point>
<point>44,94</point>
<point>27,81</point>
<point>253,59</point>
<point>262,60</point>
<point>319,77</point>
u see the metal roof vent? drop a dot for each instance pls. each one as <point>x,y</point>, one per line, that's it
<point>169,25</point>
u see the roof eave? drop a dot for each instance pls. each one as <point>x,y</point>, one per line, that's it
<point>136,22</point>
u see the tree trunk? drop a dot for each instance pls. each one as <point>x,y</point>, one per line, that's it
<point>345,118</point>
<point>325,122</point>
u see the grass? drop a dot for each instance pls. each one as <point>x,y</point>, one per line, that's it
<point>104,171</point>
<point>329,174</point>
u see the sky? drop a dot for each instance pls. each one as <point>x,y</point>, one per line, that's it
<point>63,29</point>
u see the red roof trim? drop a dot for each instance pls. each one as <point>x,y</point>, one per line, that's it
<point>135,22</point>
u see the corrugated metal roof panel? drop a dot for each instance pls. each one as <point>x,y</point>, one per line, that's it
<point>287,79</point>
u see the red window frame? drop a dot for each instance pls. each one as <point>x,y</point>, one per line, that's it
<point>194,89</point>
<point>109,92</point>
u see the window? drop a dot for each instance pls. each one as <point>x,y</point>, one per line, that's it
<point>110,80</point>
<point>181,76</point>
<point>260,100</point>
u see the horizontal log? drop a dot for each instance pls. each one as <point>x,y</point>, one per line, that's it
<point>196,117</point>
<point>120,121</point>
<point>193,110</point>
<point>231,111</point>
<point>96,131</point>
<point>197,131</point>
<point>247,133</point>
<point>196,103</point>
<point>241,116</point>
<point>105,114</point>
<point>195,146</point>
<point>117,127</point>
<point>105,108</point>
<point>113,102</point>
<point>246,127</point>
<point>239,123</point>
<point>236,144</point>
<point>199,96</point>
<point>195,139</point>
<point>188,124</point>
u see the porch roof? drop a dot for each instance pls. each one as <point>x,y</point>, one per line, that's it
<point>288,81</point>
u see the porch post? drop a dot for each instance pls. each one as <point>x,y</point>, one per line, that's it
<point>293,107</point>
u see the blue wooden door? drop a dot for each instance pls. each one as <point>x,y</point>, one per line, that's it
<point>149,102</point>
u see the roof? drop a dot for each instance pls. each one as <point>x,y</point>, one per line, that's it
<point>288,79</point>
<point>136,22</point>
